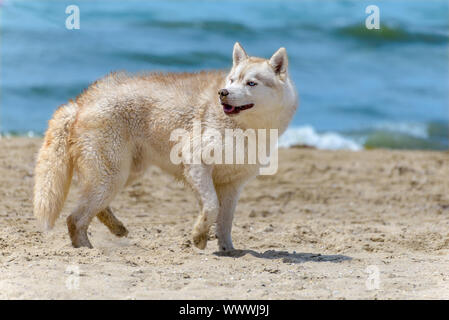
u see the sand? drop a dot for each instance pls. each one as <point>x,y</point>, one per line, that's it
<point>329,225</point>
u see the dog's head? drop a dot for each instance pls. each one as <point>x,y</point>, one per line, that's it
<point>256,87</point>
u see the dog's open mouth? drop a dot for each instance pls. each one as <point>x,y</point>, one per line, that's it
<point>228,109</point>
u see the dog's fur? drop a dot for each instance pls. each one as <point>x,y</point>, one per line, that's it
<point>121,124</point>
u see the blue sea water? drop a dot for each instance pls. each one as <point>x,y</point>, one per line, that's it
<point>358,87</point>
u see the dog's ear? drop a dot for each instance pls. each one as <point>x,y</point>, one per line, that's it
<point>279,61</point>
<point>239,54</point>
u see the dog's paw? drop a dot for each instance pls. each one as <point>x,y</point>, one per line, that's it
<point>225,247</point>
<point>200,240</point>
<point>120,231</point>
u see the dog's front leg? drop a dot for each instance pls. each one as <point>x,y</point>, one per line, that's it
<point>199,177</point>
<point>228,196</point>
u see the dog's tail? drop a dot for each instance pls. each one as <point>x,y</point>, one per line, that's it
<point>54,167</point>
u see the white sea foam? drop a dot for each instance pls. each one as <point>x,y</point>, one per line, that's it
<point>418,130</point>
<point>306,135</point>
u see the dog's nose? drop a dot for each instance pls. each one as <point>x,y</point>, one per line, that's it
<point>223,92</point>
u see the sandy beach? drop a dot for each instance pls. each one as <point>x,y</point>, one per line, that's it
<point>329,225</point>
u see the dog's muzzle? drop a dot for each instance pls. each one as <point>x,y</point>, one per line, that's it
<point>230,109</point>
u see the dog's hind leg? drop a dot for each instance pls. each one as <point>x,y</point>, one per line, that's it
<point>93,201</point>
<point>199,178</point>
<point>102,175</point>
<point>110,220</point>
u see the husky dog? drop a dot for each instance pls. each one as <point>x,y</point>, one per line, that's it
<point>121,124</point>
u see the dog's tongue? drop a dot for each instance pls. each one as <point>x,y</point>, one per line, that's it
<point>229,109</point>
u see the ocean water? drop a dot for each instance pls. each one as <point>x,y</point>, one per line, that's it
<point>358,88</point>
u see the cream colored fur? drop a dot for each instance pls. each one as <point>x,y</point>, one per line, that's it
<point>122,124</point>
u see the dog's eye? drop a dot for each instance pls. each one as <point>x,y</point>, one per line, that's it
<point>251,83</point>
